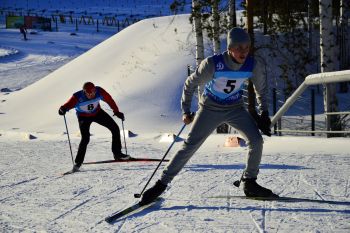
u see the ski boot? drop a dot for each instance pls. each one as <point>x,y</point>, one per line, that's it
<point>151,194</point>
<point>121,156</point>
<point>76,167</point>
<point>253,189</point>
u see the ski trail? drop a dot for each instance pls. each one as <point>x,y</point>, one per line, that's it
<point>319,195</point>
<point>80,192</point>
<point>143,229</point>
<point>108,196</point>
<point>18,183</point>
<point>69,211</point>
<point>346,188</point>
<point>260,227</point>
<point>3,173</point>
<point>20,229</point>
<point>313,188</point>
<point>12,195</point>
<point>228,204</point>
<point>169,24</point>
<point>121,226</point>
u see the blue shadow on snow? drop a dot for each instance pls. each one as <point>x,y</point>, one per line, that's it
<point>206,167</point>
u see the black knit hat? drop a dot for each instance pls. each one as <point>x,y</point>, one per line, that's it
<point>237,36</point>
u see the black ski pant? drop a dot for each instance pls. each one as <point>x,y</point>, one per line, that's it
<point>103,119</point>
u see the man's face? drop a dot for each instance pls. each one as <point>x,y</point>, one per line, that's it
<point>90,94</point>
<point>240,52</point>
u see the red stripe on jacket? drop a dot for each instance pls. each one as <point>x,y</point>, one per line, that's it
<point>106,97</point>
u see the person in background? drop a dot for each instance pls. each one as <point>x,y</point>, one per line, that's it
<point>224,76</point>
<point>87,105</point>
<point>23,30</point>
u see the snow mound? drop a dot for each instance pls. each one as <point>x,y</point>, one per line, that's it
<point>28,136</point>
<point>234,141</point>
<point>127,133</point>
<point>169,137</point>
<point>6,52</point>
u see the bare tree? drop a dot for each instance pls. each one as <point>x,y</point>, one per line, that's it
<point>197,22</point>
<point>251,92</point>
<point>198,28</point>
<point>344,47</point>
<point>216,26</point>
<point>328,58</point>
<point>310,26</point>
<point>345,37</point>
<point>232,14</point>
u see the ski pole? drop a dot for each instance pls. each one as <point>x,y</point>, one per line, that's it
<point>126,150</point>
<point>70,147</point>
<point>138,195</point>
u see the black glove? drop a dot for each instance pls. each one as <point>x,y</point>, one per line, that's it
<point>263,121</point>
<point>120,115</point>
<point>62,111</point>
<point>188,117</point>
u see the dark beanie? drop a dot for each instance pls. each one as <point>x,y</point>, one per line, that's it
<point>237,36</point>
<point>89,87</point>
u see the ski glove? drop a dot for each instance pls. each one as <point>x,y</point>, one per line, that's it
<point>263,121</point>
<point>187,118</point>
<point>62,111</point>
<point>120,115</point>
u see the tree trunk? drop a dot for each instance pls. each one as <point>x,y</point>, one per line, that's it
<point>310,26</point>
<point>216,26</point>
<point>327,54</point>
<point>345,37</point>
<point>232,14</point>
<point>251,92</point>
<point>197,20</point>
<point>265,15</point>
<point>223,128</point>
<point>344,41</point>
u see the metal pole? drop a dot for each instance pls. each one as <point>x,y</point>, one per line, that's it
<point>138,195</point>
<point>312,111</point>
<point>70,147</point>
<point>274,97</point>
<point>126,150</point>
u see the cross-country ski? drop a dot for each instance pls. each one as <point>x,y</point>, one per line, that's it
<point>135,208</point>
<point>132,159</point>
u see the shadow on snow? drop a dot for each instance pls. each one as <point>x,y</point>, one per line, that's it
<point>206,167</point>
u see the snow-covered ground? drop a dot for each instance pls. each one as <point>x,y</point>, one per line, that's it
<point>144,67</point>
<point>34,197</point>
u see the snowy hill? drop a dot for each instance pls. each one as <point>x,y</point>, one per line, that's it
<point>138,66</point>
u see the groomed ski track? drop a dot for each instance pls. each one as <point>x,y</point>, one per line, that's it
<point>47,202</point>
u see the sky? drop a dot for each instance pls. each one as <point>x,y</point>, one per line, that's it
<point>143,67</point>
